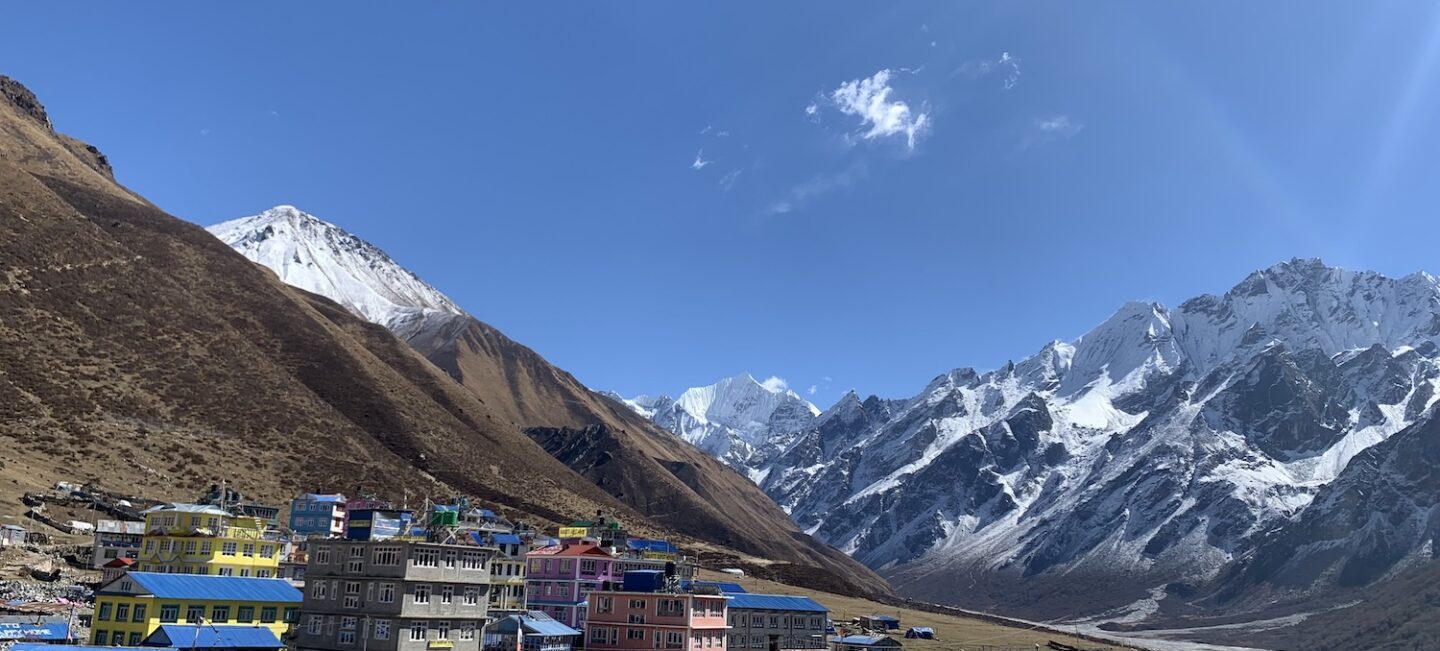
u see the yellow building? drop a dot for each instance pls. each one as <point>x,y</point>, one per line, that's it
<point>132,606</point>
<point>205,539</point>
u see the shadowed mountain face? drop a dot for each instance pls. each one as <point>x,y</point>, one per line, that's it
<point>142,350</point>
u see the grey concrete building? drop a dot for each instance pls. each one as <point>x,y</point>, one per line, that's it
<point>394,595</point>
<point>766,622</point>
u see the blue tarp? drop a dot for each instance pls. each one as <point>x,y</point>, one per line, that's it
<point>507,539</point>
<point>749,601</point>
<point>661,546</point>
<point>41,631</point>
<point>208,587</point>
<point>213,637</point>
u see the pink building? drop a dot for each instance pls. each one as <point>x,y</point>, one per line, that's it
<point>625,620</point>
<point>558,578</point>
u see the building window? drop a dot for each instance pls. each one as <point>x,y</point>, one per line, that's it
<point>222,614</point>
<point>598,635</point>
<point>194,614</point>
<point>352,594</point>
<point>386,556</point>
<point>134,639</point>
<point>346,638</point>
<point>322,555</point>
<point>472,560</point>
<point>417,630</point>
<point>422,593</point>
<point>387,593</point>
<point>245,614</point>
<point>604,604</point>
<point>139,615</point>
<point>447,594</point>
<point>227,549</point>
<point>774,621</point>
<point>205,547</point>
<point>634,633</point>
<point>264,574</point>
<point>442,630</point>
<point>565,566</point>
<point>637,604</point>
<point>671,608</point>
<point>313,624</point>
<point>100,634</point>
<point>757,621</point>
<point>347,623</point>
<point>267,551</point>
<point>117,638</point>
<point>425,557</point>
<point>450,560</point>
<point>267,615</point>
<point>318,591</point>
<point>226,571</point>
<point>757,641</point>
<point>103,614</point>
<point>587,567</point>
<point>189,547</point>
<point>382,629</point>
<point>467,631</point>
<point>674,640</point>
<point>248,549</point>
<point>472,596</point>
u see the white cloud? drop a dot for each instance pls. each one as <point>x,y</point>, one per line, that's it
<point>811,391</point>
<point>812,109</point>
<point>728,181</point>
<point>1055,127</point>
<point>803,193</point>
<point>705,130</point>
<point>870,100</point>
<point>774,383</point>
<point>722,134</point>
<point>700,161</point>
<point>1006,65</point>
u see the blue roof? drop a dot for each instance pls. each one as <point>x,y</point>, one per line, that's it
<point>213,637</point>
<point>725,587</point>
<point>507,539</point>
<point>215,588</point>
<point>664,546</point>
<point>40,646</point>
<point>775,602</point>
<point>885,618</point>
<point>318,497</point>
<point>865,640</point>
<point>545,626</point>
<point>486,513</point>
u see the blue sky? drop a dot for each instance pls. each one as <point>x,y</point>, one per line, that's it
<point>884,190</point>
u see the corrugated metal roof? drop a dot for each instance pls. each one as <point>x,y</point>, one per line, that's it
<point>507,539</point>
<point>211,637</point>
<point>322,497</point>
<point>215,588</point>
<point>547,626</point>
<point>863,640</point>
<point>749,601</point>
<point>207,509</point>
<point>35,646</point>
<point>725,587</point>
<point>663,546</point>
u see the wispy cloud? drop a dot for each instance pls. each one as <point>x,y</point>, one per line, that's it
<point>775,383</point>
<point>728,181</point>
<point>700,162</point>
<point>800,195</point>
<point>870,100</point>
<point>1047,129</point>
<point>812,108</point>
<point>811,391</point>
<point>205,131</point>
<point>1006,65</point>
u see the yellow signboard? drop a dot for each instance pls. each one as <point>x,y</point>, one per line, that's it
<point>440,644</point>
<point>574,532</point>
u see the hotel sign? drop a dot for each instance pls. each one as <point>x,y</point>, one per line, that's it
<point>574,532</point>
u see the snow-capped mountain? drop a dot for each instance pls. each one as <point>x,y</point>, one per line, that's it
<point>739,419</point>
<point>1160,447</point>
<point>323,258</point>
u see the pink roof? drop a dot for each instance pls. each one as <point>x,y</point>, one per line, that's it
<point>579,549</point>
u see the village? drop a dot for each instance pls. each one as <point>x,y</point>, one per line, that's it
<point>334,573</point>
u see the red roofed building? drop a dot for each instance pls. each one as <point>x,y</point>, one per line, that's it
<point>559,578</point>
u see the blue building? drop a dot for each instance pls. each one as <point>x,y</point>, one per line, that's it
<point>378,524</point>
<point>314,514</point>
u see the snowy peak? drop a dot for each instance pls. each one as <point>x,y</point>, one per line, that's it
<point>323,258</point>
<point>739,419</point>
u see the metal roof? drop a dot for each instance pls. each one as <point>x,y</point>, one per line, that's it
<point>725,587</point>
<point>321,497</point>
<point>35,646</point>
<point>749,601</point>
<point>211,637</point>
<point>214,588</point>
<point>887,618</point>
<point>207,509</point>
<point>867,640</point>
<point>507,539</point>
<point>663,546</point>
<point>544,626</point>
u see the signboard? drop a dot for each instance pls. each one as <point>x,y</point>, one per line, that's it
<point>42,631</point>
<point>439,644</point>
<point>382,527</point>
<point>574,532</point>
